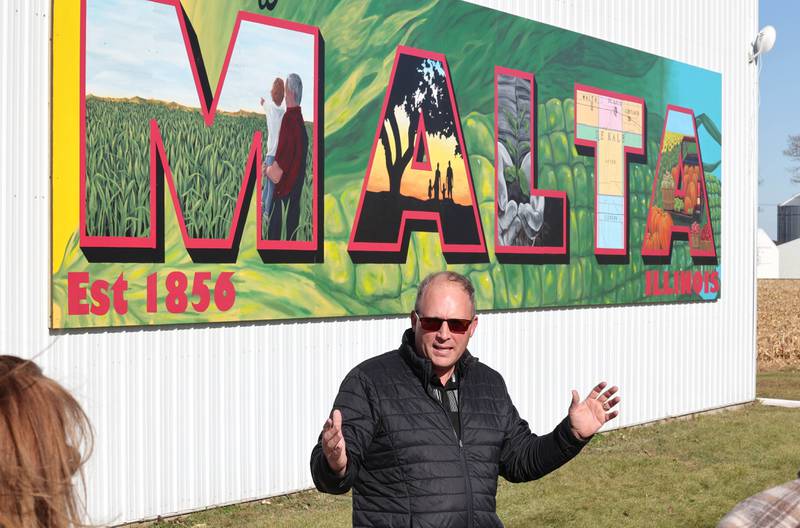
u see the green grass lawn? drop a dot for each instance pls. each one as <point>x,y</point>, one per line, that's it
<point>781,384</point>
<point>680,473</point>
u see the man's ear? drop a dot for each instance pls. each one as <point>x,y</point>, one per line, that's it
<point>473,325</point>
<point>413,319</point>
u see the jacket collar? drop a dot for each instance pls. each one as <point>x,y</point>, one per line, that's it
<point>422,366</point>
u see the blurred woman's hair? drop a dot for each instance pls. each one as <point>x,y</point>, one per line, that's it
<point>45,438</point>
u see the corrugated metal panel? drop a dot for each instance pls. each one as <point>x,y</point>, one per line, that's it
<point>191,417</point>
<point>788,223</point>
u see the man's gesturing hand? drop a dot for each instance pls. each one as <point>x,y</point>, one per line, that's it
<point>588,416</point>
<point>333,443</point>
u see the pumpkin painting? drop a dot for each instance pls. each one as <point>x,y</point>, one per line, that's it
<point>692,187</point>
<point>659,230</point>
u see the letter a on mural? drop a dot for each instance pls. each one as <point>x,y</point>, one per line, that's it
<point>679,201</point>
<point>417,177</point>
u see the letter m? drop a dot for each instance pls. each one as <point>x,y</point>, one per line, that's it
<point>211,160</point>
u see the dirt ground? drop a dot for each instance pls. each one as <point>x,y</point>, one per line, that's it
<point>778,324</point>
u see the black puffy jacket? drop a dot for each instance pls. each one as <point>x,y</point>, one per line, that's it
<point>404,462</point>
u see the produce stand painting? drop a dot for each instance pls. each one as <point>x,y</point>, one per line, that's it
<point>679,202</point>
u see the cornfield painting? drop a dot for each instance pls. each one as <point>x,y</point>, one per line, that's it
<point>416,144</point>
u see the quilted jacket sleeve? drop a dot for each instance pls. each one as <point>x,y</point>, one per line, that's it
<point>526,456</point>
<point>359,423</point>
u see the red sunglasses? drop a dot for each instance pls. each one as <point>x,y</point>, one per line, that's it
<point>433,324</point>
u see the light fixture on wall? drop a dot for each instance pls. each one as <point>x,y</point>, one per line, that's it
<point>763,42</point>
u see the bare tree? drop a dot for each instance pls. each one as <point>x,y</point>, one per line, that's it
<point>793,152</point>
<point>420,88</point>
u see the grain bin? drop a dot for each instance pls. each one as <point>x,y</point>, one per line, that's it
<point>789,220</point>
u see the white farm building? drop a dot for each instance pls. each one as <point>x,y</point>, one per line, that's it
<point>190,416</point>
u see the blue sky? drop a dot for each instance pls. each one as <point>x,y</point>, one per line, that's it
<point>135,48</point>
<point>683,91</point>
<point>778,117</point>
<point>681,123</point>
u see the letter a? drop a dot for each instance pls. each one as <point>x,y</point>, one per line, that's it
<point>679,201</point>
<point>406,189</point>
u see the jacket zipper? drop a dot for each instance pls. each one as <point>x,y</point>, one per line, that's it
<point>461,448</point>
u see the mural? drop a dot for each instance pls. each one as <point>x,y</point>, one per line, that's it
<point>236,161</point>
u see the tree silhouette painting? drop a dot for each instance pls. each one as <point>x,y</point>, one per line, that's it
<point>419,122</point>
<point>420,89</point>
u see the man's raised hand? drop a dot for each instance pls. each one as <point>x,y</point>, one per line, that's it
<point>333,443</point>
<point>588,416</point>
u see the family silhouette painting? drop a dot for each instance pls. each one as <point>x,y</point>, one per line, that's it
<point>417,167</point>
<point>447,185</point>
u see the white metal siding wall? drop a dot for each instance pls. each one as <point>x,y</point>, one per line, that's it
<point>191,417</point>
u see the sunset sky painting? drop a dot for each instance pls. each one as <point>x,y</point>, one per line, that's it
<point>415,182</point>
